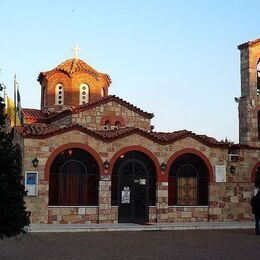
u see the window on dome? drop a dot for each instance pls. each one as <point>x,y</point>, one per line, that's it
<point>102,92</point>
<point>107,125</point>
<point>84,94</point>
<point>59,94</point>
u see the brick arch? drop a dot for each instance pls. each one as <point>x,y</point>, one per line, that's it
<point>70,146</point>
<point>253,173</point>
<point>139,149</point>
<point>192,151</point>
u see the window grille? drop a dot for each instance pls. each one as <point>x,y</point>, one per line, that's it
<point>84,94</point>
<point>59,94</point>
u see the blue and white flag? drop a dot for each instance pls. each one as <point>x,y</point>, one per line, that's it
<point>19,107</point>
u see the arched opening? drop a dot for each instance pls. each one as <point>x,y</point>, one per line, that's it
<point>84,94</point>
<point>133,186</point>
<point>117,125</point>
<point>73,179</point>
<point>107,125</point>
<point>102,92</point>
<point>188,181</point>
<point>59,94</point>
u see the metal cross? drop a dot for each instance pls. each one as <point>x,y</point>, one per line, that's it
<point>76,49</point>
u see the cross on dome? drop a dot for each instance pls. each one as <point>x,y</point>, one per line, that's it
<point>76,49</point>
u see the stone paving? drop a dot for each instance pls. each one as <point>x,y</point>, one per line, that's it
<point>175,244</point>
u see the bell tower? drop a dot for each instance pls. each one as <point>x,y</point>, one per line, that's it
<point>249,102</point>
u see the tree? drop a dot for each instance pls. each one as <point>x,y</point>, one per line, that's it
<point>13,215</point>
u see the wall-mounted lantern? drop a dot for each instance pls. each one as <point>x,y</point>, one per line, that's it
<point>232,169</point>
<point>163,166</point>
<point>35,162</point>
<point>106,164</point>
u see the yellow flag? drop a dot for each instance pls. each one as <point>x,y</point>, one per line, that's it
<point>10,112</point>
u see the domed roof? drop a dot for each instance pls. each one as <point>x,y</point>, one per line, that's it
<point>75,65</point>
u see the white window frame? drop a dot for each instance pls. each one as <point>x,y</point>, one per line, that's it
<point>81,96</point>
<point>59,96</point>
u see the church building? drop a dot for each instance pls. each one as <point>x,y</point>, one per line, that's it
<point>91,157</point>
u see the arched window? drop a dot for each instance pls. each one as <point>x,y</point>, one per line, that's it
<point>258,78</point>
<point>117,124</point>
<point>102,92</point>
<point>59,94</point>
<point>188,181</point>
<point>84,94</point>
<point>107,125</point>
<point>73,179</point>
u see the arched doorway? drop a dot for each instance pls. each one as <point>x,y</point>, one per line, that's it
<point>188,181</point>
<point>133,187</point>
<point>73,179</point>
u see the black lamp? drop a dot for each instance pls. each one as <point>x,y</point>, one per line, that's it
<point>232,169</point>
<point>163,166</point>
<point>35,162</point>
<point>106,164</point>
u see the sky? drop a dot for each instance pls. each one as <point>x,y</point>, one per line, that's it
<point>176,59</point>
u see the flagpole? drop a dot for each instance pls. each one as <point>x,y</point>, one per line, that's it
<point>15,108</point>
<point>5,100</point>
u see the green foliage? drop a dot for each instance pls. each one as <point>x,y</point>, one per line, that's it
<point>13,214</point>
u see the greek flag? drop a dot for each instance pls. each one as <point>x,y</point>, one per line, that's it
<point>19,107</point>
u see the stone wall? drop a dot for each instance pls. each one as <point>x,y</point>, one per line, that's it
<point>188,214</point>
<point>249,103</point>
<point>92,118</point>
<point>72,215</point>
<point>227,201</point>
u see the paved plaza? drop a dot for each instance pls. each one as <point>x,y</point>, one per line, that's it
<point>175,244</point>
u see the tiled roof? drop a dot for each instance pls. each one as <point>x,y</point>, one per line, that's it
<point>76,65</point>
<point>99,102</point>
<point>249,43</point>
<point>44,131</point>
<point>31,114</point>
<point>35,115</point>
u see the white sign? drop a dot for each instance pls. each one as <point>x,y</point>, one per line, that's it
<point>31,183</point>
<point>125,196</point>
<point>142,181</point>
<point>220,173</point>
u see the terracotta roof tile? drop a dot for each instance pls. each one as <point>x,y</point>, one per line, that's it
<point>33,115</point>
<point>76,65</point>
<point>44,131</point>
<point>99,102</point>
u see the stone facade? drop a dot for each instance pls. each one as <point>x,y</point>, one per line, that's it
<point>82,127</point>
<point>249,102</point>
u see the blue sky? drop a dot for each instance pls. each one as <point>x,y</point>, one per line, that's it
<point>177,59</point>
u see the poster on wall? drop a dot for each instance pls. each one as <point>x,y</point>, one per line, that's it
<point>125,196</point>
<point>220,173</point>
<point>31,183</point>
